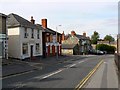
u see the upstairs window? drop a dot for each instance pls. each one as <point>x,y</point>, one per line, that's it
<point>32,33</point>
<point>38,35</point>
<point>25,33</point>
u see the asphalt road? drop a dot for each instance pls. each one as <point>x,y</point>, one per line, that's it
<point>63,75</point>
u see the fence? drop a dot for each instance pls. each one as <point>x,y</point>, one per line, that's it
<point>117,61</point>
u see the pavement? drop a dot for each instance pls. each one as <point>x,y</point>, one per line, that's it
<point>14,66</point>
<point>105,77</point>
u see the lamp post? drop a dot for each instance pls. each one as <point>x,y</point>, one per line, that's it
<point>57,43</point>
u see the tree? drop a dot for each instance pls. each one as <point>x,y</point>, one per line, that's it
<point>109,38</point>
<point>94,37</point>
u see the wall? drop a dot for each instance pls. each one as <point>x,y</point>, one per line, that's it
<point>13,42</point>
<point>31,41</point>
<point>67,51</point>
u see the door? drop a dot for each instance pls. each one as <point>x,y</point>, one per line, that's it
<point>31,49</point>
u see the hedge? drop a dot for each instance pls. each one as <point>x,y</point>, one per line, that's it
<point>105,47</point>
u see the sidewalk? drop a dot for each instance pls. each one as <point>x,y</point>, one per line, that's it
<point>13,66</point>
<point>105,77</point>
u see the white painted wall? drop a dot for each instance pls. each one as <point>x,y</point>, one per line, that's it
<point>31,41</point>
<point>14,42</point>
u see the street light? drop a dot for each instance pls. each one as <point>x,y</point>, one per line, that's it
<point>57,42</point>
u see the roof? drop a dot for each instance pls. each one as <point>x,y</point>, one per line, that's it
<point>15,20</point>
<point>81,37</point>
<point>68,46</point>
<point>3,15</point>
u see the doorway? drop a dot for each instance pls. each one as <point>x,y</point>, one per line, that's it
<point>31,51</point>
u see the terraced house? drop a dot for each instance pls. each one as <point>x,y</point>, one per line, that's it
<point>51,41</point>
<point>25,38</point>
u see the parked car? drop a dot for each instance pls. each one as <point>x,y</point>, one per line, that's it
<point>96,52</point>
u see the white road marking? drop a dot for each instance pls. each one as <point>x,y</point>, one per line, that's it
<point>52,74</point>
<point>72,65</point>
<point>81,61</point>
<point>16,75</point>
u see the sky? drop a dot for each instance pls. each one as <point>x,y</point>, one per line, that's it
<point>78,15</point>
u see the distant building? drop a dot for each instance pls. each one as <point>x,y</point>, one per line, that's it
<point>25,38</point>
<point>79,44</point>
<point>3,37</point>
<point>103,42</point>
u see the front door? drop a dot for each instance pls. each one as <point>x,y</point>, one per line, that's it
<point>31,50</point>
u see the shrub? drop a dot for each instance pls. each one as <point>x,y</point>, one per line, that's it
<point>105,47</point>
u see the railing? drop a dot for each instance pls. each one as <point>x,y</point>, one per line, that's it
<point>117,61</point>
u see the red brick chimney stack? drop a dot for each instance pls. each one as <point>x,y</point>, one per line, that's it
<point>73,33</point>
<point>84,34</point>
<point>32,20</point>
<point>44,23</point>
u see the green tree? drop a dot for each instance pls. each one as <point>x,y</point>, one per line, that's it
<point>109,38</point>
<point>94,37</point>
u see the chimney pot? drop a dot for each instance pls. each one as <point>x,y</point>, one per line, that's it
<point>84,34</point>
<point>32,20</point>
<point>73,33</point>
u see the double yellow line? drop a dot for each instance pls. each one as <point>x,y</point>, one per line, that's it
<point>81,84</point>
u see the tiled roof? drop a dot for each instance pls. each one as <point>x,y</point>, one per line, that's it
<point>68,46</point>
<point>81,37</point>
<point>1,14</point>
<point>15,20</point>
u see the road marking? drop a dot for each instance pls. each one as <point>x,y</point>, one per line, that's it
<point>72,65</point>
<point>81,61</point>
<point>84,80</point>
<point>16,75</point>
<point>52,74</point>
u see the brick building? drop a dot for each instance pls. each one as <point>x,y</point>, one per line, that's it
<point>51,44</point>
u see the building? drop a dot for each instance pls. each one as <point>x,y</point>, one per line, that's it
<point>79,44</point>
<point>3,37</point>
<point>70,49</point>
<point>118,44</point>
<point>25,38</point>
<point>51,41</point>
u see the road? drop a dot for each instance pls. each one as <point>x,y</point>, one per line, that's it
<point>64,75</point>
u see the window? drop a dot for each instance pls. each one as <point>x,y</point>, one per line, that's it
<point>37,48</point>
<point>25,33</point>
<point>32,33</point>
<point>38,36</point>
<point>25,48</point>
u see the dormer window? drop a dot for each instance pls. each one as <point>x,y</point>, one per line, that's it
<point>32,33</point>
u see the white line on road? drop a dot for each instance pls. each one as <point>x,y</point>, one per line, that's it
<point>52,74</point>
<point>72,65</point>
<point>16,75</point>
<point>81,61</point>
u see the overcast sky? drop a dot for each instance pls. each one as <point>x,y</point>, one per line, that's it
<point>78,15</point>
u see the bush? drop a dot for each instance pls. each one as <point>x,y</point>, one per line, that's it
<point>105,47</point>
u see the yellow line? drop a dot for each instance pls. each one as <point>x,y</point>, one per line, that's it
<point>81,84</point>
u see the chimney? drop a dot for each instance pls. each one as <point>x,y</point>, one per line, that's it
<point>73,33</point>
<point>63,36</point>
<point>32,20</point>
<point>44,23</point>
<point>84,34</point>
